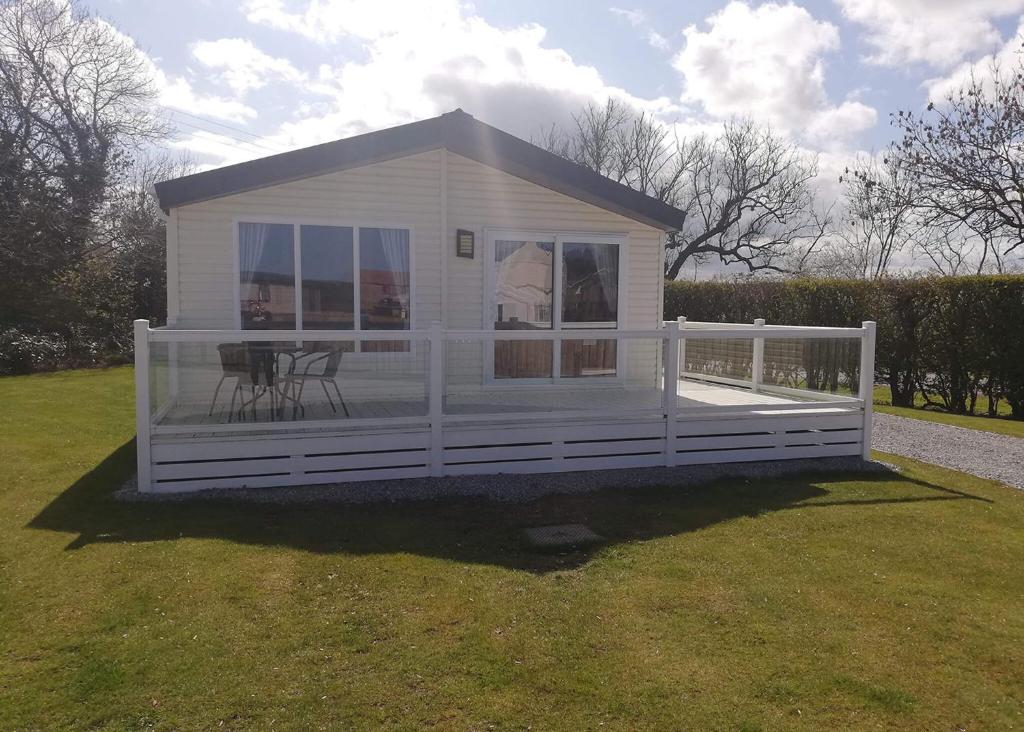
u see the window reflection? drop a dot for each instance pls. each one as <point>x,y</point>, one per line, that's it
<point>590,283</point>
<point>586,358</point>
<point>384,292</point>
<point>328,285</point>
<point>524,278</point>
<point>266,264</point>
<point>523,290</point>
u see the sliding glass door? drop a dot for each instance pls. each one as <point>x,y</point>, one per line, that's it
<point>553,282</point>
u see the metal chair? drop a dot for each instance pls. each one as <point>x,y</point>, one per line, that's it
<point>331,360</point>
<point>252,365</point>
<point>234,364</point>
<point>261,358</point>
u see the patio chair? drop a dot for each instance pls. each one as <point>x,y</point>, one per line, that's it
<point>252,366</point>
<point>260,378</point>
<point>331,360</point>
<point>234,364</point>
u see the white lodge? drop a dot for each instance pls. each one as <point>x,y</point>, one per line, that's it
<point>442,298</point>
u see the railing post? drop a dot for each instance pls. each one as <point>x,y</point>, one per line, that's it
<point>142,416</point>
<point>670,395</point>
<point>436,401</point>
<point>682,344</point>
<point>757,368</point>
<point>867,381</point>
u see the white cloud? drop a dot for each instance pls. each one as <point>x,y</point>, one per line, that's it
<point>638,19</point>
<point>848,117</point>
<point>767,62</point>
<point>1006,58</point>
<point>222,148</point>
<point>936,32</point>
<point>424,58</point>
<point>242,66</point>
<point>177,93</point>
<point>330,20</point>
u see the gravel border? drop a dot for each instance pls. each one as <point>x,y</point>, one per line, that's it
<point>984,454</point>
<point>511,487</point>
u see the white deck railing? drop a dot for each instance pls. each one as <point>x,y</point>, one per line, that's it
<point>715,348</point>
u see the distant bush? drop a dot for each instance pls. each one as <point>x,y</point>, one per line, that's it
<point>24,353</point>
<point>950,339</point>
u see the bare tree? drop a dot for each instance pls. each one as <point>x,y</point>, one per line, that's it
<point>949,250</point>
<point>749,199</point>
<point>954,247</point>
<point>966,155</point>
<point>747,193</point>
<point>594,140</point>
<point>879,220</point>
<point>631,149</point>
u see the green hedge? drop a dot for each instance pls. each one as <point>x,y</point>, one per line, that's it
<point>950,339</point>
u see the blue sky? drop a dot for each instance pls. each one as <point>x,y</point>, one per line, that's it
<point>244,79</point>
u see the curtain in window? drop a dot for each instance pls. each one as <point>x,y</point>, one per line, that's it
<point>266,275</point>
<point>252,238</point>
<point>395,247</point>
<point>384,284</point>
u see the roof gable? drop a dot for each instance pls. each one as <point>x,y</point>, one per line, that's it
<point>455,131</point>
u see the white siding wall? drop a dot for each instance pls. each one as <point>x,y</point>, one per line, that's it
<point>481,198</point>
<point>409,192</point>
<point>405,192</point>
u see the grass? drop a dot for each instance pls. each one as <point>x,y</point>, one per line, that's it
<point>1001,424</point>
<point>826,601</point>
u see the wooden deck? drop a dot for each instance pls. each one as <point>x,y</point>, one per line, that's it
<point>694,396</point>
<point>427,415</point>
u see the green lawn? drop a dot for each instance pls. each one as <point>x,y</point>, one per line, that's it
<point>827,601</point>
<point>1002,424</point>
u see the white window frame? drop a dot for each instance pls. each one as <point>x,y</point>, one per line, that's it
<point>619,239</point>
<point>297,224</point>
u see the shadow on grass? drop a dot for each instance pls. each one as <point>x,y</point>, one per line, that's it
<point>468,530</point>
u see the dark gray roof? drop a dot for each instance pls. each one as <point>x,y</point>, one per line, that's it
<point>458,132</point>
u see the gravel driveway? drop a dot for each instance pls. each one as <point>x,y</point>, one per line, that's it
<point>985,454</point>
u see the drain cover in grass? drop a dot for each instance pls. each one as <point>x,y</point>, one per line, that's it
<point>565,536</point>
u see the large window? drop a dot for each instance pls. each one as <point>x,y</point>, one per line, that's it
<point>324,277</point>
<point>549,283</point>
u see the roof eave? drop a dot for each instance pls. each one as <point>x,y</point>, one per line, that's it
<point>457,132</point>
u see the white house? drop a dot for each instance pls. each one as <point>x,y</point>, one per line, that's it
<point>444,298</point>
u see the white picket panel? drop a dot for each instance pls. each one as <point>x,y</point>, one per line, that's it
<point>273,481</point>
<point>498,453</point>
<point>756,423</point>
<point>220,469</point>
<point>246,461</point>
<point>225,463</point>
<point>542,432</point>
<point>365,460</point>
<point>614,447</point>
<point>513,466</point>
<point>720,442</point>
<point>758,454</point>
<point>239,447</point>
<point>615,462</point>
<point>188,486</point>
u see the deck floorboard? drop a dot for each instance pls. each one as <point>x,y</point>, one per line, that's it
<point>692,395</point>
